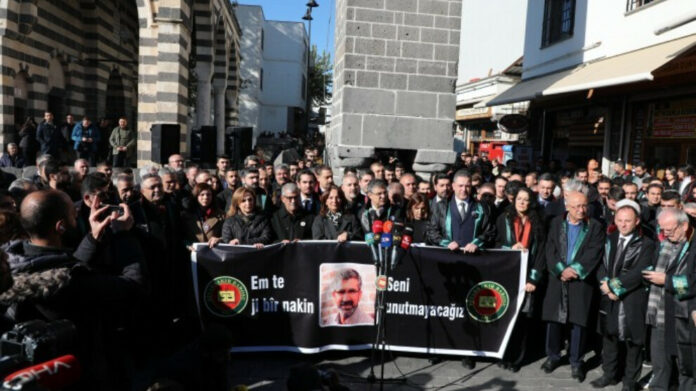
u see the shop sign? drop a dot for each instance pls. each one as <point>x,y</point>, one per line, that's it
<point>674,119</point>
<point>473,113</point>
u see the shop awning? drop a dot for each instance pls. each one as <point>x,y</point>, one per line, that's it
<point>528,89</point>
<point>631,67</point>
<point>626,68</point>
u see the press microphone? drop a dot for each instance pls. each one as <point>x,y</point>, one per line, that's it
<point>387,226</point>
<point>370,240</point>
<point>377,227</point>
<point>407,238</point>
<point>55,374</point>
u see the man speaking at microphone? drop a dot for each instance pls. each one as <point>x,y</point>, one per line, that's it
<point>462,222</point>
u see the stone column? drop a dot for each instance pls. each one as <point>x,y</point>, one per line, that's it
<point>219,93</point>
<point>204,91</point>
<point>394,77</point>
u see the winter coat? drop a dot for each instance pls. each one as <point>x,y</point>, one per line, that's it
<point>199,229</point>
<point>323,228</point>
<point>289,227</point>
<point>572,301</point>
<point>7,161</point>
<point>439,231</point>
<point>50,138</point>
<point>250,229</point>
<point>123,138</point>
<point>91,132</point>
<point>27,139</point>
<point>625,318</point>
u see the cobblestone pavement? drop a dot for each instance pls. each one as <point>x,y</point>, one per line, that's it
<point>269,371</point>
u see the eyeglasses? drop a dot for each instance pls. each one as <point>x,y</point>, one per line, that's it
<point>347,291</point>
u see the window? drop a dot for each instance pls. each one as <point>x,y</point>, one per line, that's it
<point>559,21</point>
<point>635,4</point>
<point>263,38</point>
<point>261,80</point>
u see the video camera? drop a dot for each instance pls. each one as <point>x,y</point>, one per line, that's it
<point>34,351</point>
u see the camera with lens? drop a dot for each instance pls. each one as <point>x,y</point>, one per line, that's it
<point>35,341</point>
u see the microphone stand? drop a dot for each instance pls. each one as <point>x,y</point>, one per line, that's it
<point>380,316</point>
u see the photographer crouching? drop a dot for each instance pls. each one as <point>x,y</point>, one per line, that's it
<point>53,282</point>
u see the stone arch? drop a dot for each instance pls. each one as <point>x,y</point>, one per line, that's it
<point>22,87</point>
<point>115,96</point>
<point>56,88</point>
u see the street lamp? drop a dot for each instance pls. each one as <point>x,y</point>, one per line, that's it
<point>311,4</point>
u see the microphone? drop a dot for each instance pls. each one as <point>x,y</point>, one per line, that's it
<point>387,226</point>
<point>377,227</point>
<point>370,240</point>
<point>55,374</point>
<point>386,240</point>
<point>399,253</point>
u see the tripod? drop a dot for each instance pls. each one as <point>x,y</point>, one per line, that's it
<point>380,310</point>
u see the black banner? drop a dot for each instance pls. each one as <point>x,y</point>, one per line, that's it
<point>320,295</point>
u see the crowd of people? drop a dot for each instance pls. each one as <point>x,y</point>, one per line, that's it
<point>87,245</point>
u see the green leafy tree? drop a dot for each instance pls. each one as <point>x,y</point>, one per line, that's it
<point>320,77</point>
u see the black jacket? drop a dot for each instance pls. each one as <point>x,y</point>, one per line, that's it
<point>571,302</point>
<point>680,289</point>
<point>290,227</point>
<point>626,317</point>
<point>248,229</point>
<point>439,232</point>
<point>323,228</point>
<point>388,213</point>
<point>505,238</point>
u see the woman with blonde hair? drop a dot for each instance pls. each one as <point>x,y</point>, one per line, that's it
<point>243,224</point>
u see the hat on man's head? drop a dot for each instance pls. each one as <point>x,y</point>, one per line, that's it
<point>630,203</point>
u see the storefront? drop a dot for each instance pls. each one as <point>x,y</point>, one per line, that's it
<point>665,131</point>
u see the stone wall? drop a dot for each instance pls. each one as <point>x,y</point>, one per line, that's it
<point>394,77</point>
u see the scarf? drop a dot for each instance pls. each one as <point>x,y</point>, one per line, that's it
<point>655,315</point>
<point>334,217</point>
<point>522,231</point>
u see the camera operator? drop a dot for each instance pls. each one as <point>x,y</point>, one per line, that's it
<point>54,282</point>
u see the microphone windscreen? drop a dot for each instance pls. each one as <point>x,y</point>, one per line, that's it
<point>55,374</point>
<point>387,226</point>
<point>377,227</point>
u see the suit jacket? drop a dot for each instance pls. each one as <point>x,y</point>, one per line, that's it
<point>439,231</point>
<point>572,302</point>
<point>625,318</point>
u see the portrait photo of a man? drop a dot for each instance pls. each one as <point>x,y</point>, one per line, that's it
<point>345,306</point>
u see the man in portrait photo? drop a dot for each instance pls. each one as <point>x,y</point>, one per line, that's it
<point>346,293</point>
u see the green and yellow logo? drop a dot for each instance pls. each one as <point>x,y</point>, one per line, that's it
<point>226,296</point>
<point>487,301</point>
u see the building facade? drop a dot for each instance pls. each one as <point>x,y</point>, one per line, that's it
<point>274,72</point>
<point>395,71</point>
<point>111,58</point>
<point>488,65</point>
<point>610,80</point>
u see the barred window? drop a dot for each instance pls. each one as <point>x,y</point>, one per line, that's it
<point>635,4</point>
<point>559,21</point>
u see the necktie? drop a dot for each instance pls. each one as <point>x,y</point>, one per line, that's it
<point>306,205</point>
<point>619,253</point>
<point>462,209</point>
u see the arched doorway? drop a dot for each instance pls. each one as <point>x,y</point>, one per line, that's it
<point>115,97</point>
<point>21,98</point>
<point>56,89</point>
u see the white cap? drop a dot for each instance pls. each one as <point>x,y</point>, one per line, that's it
<point>627,202</point>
